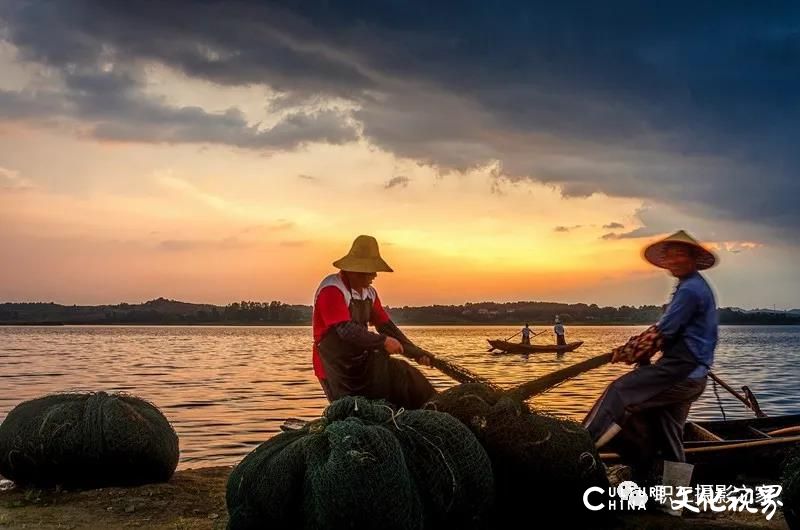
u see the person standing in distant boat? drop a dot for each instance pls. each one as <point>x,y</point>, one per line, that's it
<point>558,329</point>
<point>526,335</point>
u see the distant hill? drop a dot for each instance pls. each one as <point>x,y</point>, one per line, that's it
<point>165,311</point>
<point>158,311</point>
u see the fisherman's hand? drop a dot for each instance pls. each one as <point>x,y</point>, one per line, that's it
<point>619,355</point>
<point>424,360</point>
<point>393,346</point>
<point>640,348</point>
<point>651,340</point>
<point>625,353</point>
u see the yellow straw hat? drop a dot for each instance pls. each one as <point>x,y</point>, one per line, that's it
<point>364,256</point>
<point>655,253</point>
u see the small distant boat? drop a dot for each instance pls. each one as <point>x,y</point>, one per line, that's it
<point>515,347</point>
<point>724,449</point>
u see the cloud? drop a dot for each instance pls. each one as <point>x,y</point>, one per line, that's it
<point>566,228</point>
<point>279,225</point>
<point>12,181</point>
<point>232,207</point>
<point>195,245</point>
<point>644,231</point>
<point>194,125</point>
<point>308,178</point>
<point>736,247</point>
<point>649,229</point>
<point>692,106</point>
<point>294,244</point>
<point>168,180</point>
<point>116,111</point>
<point>613,226</point>
<point>396,182</point>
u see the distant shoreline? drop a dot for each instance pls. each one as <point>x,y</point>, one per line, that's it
<point>164,312</point>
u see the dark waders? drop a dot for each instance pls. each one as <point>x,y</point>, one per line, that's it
<point>373,374</point>
<point>650,404</point>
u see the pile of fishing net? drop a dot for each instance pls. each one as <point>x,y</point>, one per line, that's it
<point>791,491</point>
<point>538,460</point>
<point>364,465</point>
<point>87,440</point>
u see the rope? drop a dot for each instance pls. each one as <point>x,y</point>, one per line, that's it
<point>448,368</point>
<point>719,400</point>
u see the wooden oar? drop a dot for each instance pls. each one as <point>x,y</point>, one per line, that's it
<point>520,392</point>
<point>508,339</point>
<point>749,399</point>
<point>546,382</point>
<point>794,429</point>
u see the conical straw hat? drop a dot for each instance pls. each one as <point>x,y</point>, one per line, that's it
<point>656,252</point>
<point>364,256</point>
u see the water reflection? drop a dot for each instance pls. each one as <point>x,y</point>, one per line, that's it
<point>226,389</point>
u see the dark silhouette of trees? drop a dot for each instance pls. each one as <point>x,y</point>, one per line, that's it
<point>165,311</point>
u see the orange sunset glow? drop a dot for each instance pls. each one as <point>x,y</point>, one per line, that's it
<point>90,217</point>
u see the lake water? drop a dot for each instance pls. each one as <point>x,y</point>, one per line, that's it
<point>227,389</point>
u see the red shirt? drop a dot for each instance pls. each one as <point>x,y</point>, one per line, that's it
<point>331,308</point>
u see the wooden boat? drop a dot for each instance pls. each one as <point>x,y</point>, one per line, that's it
<point>516,347</point>
<point>752,447</point>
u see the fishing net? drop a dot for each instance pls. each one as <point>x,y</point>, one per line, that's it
<point>357,478</point>
<point>449,466</point>
<point>536,458</point>
<point>377,411</point>
<point>365,465</point>
<point>87,440</point>
<point>266,489</point>
<point>791,491</point>
<point>450,369</point>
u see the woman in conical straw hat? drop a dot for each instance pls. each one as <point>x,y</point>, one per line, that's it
<point>350,360</point>
<point>649,404</point>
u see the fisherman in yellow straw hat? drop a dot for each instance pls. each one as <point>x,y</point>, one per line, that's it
<point>649,405</point>
<point>350,360</point>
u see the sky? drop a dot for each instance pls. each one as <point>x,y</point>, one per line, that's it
<point>215,151</point>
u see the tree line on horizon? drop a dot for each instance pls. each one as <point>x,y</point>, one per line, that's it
<point>165,311</point>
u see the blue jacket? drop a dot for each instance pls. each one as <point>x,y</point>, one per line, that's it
<point>692,316</point>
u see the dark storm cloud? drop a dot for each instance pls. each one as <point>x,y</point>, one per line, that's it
<point>691,104</point>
